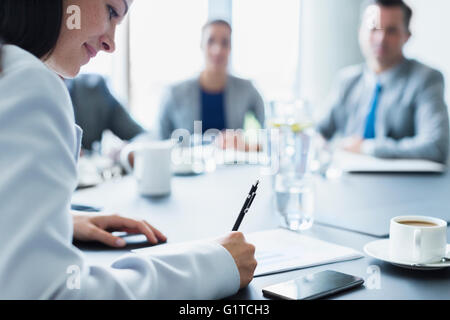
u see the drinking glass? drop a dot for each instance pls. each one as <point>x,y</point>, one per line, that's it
<point>295,200</point>
<point>293,123</point>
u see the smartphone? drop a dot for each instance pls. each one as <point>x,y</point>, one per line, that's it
<point>80,207</point>
<point>312,286</point>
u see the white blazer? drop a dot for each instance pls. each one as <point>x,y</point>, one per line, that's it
<point>39,145</point>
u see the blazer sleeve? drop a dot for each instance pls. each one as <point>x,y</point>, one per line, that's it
<point>120,122</point>
<point>258,106</point>
<point>327,125</point>
<point>165,125</point>
<point>431,140</point>
<point>37,258</point>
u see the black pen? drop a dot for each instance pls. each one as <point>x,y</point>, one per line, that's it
<point>247,203</point>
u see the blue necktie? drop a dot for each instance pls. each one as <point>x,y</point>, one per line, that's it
<point>369,131</point>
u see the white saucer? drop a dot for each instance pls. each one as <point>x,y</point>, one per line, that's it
<point>379,249</point>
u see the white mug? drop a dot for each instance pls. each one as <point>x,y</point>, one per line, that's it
<point>415,243</point>
<point>152,166</point>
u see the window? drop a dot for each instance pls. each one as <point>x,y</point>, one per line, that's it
<point>266,45</point>
<point>164,48</point>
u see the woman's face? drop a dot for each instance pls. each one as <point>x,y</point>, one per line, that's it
<point>77,45</point>
<point>216,45</point>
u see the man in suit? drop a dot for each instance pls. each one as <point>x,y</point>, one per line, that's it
<point>96,110</point>
<point>391,106</point>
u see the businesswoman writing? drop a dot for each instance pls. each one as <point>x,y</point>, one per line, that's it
<point>38,167</point>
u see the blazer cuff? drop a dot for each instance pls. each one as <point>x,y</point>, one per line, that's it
<point>201,269</point>
<point>226,273</point>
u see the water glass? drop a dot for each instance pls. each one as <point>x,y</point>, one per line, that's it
<point>295,200</point>
<point>293,124</point>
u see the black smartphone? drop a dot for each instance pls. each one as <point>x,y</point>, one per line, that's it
<point>313,286</point>
<point>80,207</point>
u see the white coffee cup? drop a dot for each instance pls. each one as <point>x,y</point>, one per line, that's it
<point>152,166</point>
<point>417,239</point>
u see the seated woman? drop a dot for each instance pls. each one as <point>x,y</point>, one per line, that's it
<point>216,98</point>
<point>37,128</point>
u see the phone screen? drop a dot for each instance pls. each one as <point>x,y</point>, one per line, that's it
<point>312,286</point>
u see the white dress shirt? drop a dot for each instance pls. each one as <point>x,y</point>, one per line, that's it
<point>39,145</point>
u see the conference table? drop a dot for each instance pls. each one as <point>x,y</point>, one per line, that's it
<point>351,211</point>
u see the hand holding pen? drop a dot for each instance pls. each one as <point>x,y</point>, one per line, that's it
<point>242,252</point>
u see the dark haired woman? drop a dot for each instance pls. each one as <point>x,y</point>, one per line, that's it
<point>40,145</point>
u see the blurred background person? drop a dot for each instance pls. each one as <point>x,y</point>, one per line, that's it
<point>391,106</point>
<point>218,99</point>
<point>97,110</point>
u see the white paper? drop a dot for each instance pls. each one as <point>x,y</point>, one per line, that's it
<point>278,250</point>
<point>281,250</point>
<point>352,162</point>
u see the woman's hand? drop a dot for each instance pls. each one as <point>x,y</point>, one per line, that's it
<point>243,254</point>
<point>88,227</point>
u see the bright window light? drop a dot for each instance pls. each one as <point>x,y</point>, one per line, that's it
<point>266,45</point>
<point>164,48</point>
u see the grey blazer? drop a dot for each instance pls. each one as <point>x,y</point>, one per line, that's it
<point>181,105</point>
<point>96,110</point>
<point>411,118</point>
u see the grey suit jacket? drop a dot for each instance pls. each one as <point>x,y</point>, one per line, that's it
<point>411,118</point>
<point>181,105</point>
<point>96,110</point>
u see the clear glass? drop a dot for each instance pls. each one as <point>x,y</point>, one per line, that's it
<point>295,200</point>
<point>323,163</point>
<point>293,123</point>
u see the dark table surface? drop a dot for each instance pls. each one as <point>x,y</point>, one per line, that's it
<point>207,205</point>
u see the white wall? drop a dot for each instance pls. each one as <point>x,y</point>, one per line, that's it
<point>430,42</point>
<point>219,9</point>
<point>329,41</point>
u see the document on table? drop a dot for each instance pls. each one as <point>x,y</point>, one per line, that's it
<point>280,250</point>
<point>352,162</point>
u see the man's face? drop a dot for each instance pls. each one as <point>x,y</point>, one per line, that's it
<point>383,34</point>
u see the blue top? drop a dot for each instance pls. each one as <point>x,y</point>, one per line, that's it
<point>213,111</point>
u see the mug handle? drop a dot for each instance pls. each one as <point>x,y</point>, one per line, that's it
<point>124,153</point>
<point>417,243</point>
